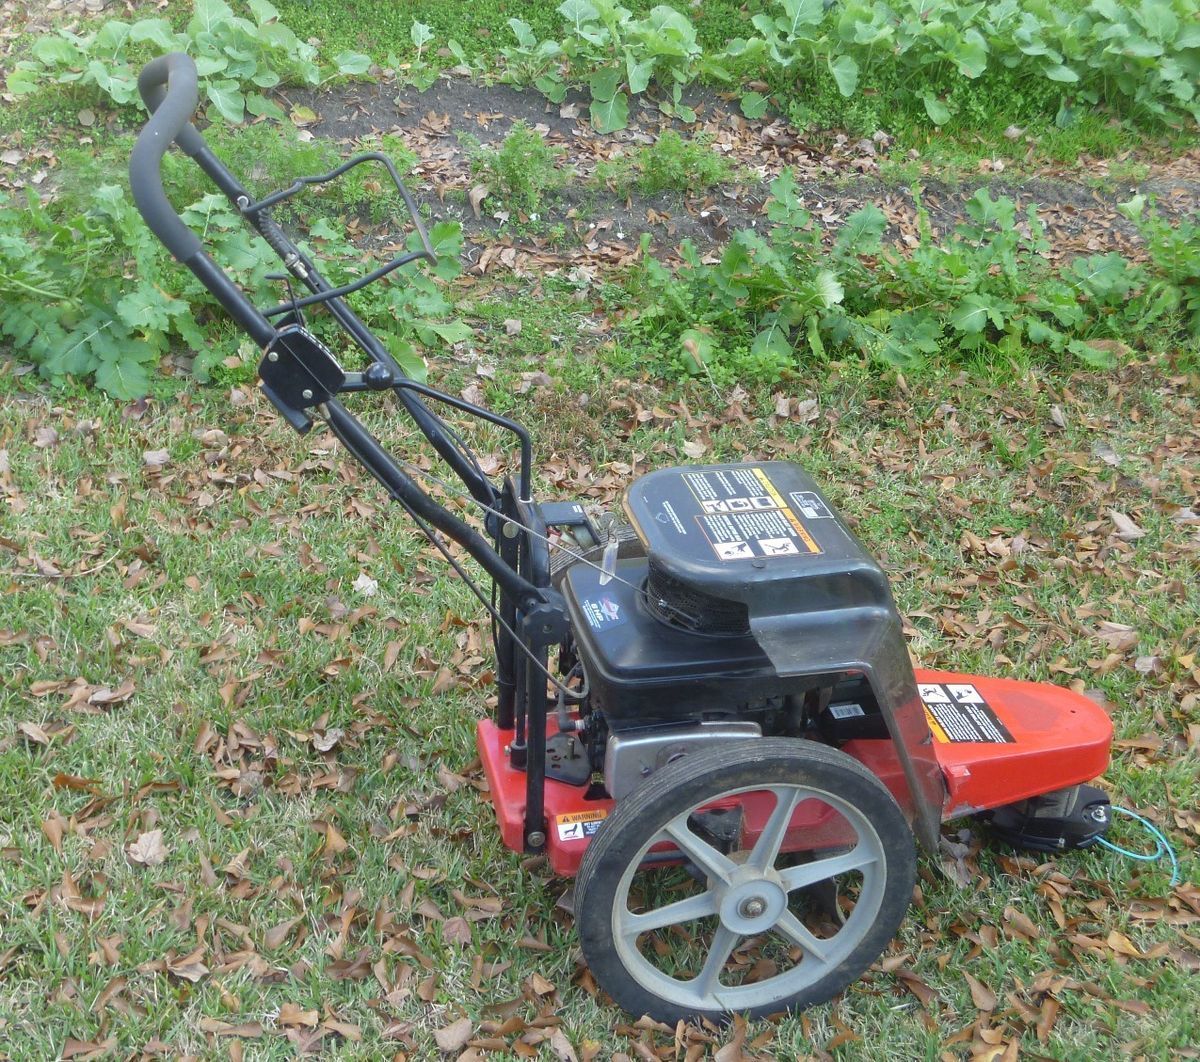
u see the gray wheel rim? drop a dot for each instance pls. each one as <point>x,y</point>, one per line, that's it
<point>745,896</point>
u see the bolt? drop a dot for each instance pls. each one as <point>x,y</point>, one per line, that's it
<point>306,394</point>
<point>536,839</point>
<point>273,356</point>
<point>753,907</point>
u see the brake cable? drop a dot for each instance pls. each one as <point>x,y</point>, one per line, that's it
<point>564,691</point>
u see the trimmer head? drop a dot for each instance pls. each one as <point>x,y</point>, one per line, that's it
<point>1075,817</point>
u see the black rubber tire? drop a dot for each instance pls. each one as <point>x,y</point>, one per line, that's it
<point>704,776</point>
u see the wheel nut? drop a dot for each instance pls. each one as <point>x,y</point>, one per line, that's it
<point>753,907</point>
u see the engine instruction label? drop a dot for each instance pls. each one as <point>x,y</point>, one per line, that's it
<point>957,712</point>
<point>743,516</point>
<point>579,825</point>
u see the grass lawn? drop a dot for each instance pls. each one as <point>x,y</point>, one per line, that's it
<point>240,809</point>
<point>191,650</point>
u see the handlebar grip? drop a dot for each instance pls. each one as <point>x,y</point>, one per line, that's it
<point>170,88</point>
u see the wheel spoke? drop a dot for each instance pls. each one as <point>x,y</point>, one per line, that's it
<point>699,851</point>
<point>798,933</point>
<point>723,942</point>
<point>687,910</point>
<point>858,858</point>
<point>766,848</point>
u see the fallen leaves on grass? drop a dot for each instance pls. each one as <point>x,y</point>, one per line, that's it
<point>454,1037</point>
<point>189,967</point>
<point>148,850</point>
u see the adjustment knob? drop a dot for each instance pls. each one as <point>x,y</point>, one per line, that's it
<point>378,377</point>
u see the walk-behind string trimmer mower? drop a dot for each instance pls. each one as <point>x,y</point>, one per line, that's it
<point>706,712</point>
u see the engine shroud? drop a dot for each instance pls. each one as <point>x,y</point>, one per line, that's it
<point>752,587</point>
<point>764,537</point>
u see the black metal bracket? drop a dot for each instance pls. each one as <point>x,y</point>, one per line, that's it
<point>299,372</point>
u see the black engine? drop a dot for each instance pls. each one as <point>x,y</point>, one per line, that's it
<point>721,627</point>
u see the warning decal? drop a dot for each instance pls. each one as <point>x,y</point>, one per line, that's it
<point>743,515</point>
<point>579,825</point>
<point>957,712</point>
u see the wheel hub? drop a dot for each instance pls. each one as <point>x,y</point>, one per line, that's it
<point>752,903</point>
<point>752,907</point>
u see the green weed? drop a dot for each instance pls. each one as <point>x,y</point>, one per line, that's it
<point>523,171</point>
<point>668,164</point>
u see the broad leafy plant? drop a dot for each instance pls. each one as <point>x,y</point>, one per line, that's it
<point>1142,59</point>
<point>616,55</point>
<point>68,305</point>
<point>1175,251</point>
<point>421,71</point>
<point>238,58</point>
<point>773,300</point>
<point>987,285</point>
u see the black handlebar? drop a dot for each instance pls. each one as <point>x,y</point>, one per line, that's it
<point>170,88</point>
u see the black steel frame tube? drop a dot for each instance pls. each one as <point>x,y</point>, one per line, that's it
<point>506,650</point>
<point>371,454</point>
<point>535,568</point>
<point>535,754</point>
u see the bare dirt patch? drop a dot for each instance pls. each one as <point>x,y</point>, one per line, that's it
<point>836,174</point>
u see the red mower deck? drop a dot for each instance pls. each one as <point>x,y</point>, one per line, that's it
<point>1047,738</point>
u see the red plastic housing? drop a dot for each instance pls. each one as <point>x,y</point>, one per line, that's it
<point>1059,738</point>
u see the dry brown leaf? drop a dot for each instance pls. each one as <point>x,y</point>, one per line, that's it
<point>456,930</point>
<point>563,1050</point>
<point>476,196</point>
<point>1122,945</point>
<point>982,996</point>
<point>454,1036</point>
<point>291,1014</point>
<point>345,1029</point>
<point>52,827</point>
<point>34,733</point>
<point>334,843</point>
<point>1126,528</point>
<point>189,967</point>
<point>88,1049</point>
<point>249,1030</point>
<point>148,850</point>
<point>328,740</point>
<point>276,935</point>
<point>1021,923</point>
